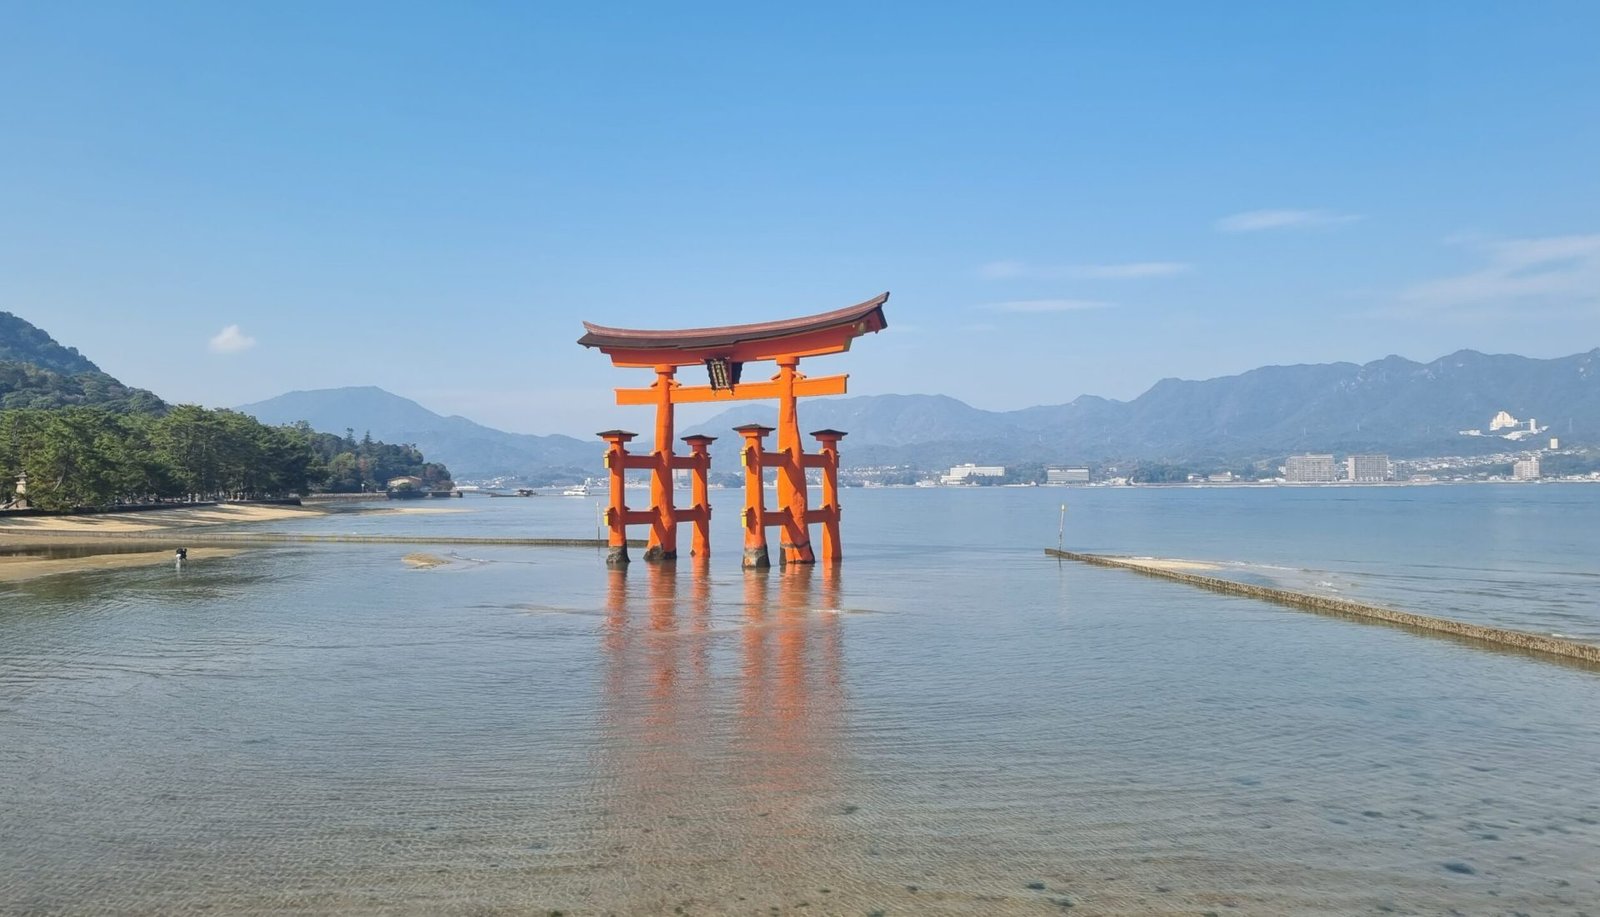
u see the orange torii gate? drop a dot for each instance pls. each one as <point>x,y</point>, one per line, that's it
<point>724,352</point>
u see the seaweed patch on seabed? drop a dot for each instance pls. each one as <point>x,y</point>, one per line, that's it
<point>424,561</point>
<point>531,609</point>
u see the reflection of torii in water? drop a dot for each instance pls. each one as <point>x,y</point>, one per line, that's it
<point>712,758</point>
<point>724,351</point>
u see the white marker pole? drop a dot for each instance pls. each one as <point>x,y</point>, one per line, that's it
<point>1061,532</point>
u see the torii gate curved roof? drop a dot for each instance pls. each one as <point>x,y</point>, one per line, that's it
<point>812,335</point>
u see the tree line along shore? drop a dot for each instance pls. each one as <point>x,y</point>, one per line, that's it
<point>80,457</point>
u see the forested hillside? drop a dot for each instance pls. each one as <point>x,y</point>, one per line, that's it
<point>82,438</point>
<point>37,372</point>
<point>22,342</point>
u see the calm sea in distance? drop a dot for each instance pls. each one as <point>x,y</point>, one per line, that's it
<point>947,723</point>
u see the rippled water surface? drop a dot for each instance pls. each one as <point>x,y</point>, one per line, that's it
<point>948,723</point>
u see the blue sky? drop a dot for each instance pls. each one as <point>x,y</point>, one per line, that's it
<point>222,202</point>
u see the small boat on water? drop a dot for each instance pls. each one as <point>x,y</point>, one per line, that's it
<point>576,490</point>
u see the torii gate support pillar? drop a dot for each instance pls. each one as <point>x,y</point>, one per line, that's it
<point>755,513</point>
<point>828,513</point>
<point>618,461</point>
<point>698,461</point>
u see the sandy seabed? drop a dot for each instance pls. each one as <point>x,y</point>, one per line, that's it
<point>110,530</point>
<point>17,569</point>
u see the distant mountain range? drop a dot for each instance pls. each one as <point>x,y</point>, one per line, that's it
<point>472,450</point>
<point>1392,405</point>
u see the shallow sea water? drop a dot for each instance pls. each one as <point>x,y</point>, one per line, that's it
<point>947,723</point>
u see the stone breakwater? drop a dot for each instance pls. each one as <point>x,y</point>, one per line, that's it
<point>1496,636</point>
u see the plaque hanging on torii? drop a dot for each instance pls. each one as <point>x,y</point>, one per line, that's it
<point>725,352</point>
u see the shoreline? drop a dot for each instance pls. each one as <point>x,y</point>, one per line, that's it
<point>178,519</point>
<point>109,541</point>
<point>115,532</point>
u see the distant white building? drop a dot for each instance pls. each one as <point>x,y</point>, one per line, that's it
<point>1366,469</point>
<point>1309,469</point>
<point>961,473</point>
<point>1066,475</point>
<point>1526,470</point>
<point>1505,426</point>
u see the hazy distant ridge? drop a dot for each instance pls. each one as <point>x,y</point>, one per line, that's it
<point>471,449</point>
<point>1391,405</point>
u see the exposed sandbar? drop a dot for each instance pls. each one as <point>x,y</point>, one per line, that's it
<point>17,569</point>
<point>87,528</point>
<point>424,561</point>
<point>1167,563</point>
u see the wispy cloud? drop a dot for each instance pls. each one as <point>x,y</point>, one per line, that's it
<point>1130,271</point>
<point>1553,272</point>
<point>1047,305</point>
<point>1133,270</point>
<point>1262,220</point>
<point>230,340</point>
<point>1004,270</point>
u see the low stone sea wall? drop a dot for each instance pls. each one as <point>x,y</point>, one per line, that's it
<point>32,513</point>
<point>1497,636</point>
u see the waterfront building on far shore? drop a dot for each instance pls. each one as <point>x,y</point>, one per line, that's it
<point>1366,469</point>
<point>1526,469</point>
<point>961,474</point>
<point>1066,475</point>
<point>1309,469</point>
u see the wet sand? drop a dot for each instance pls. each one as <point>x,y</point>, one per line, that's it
<point>18,530</point>
<point>17,569</point>
<point>1167,563</point>
<point>113,531</point>
<point>424,561</point>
